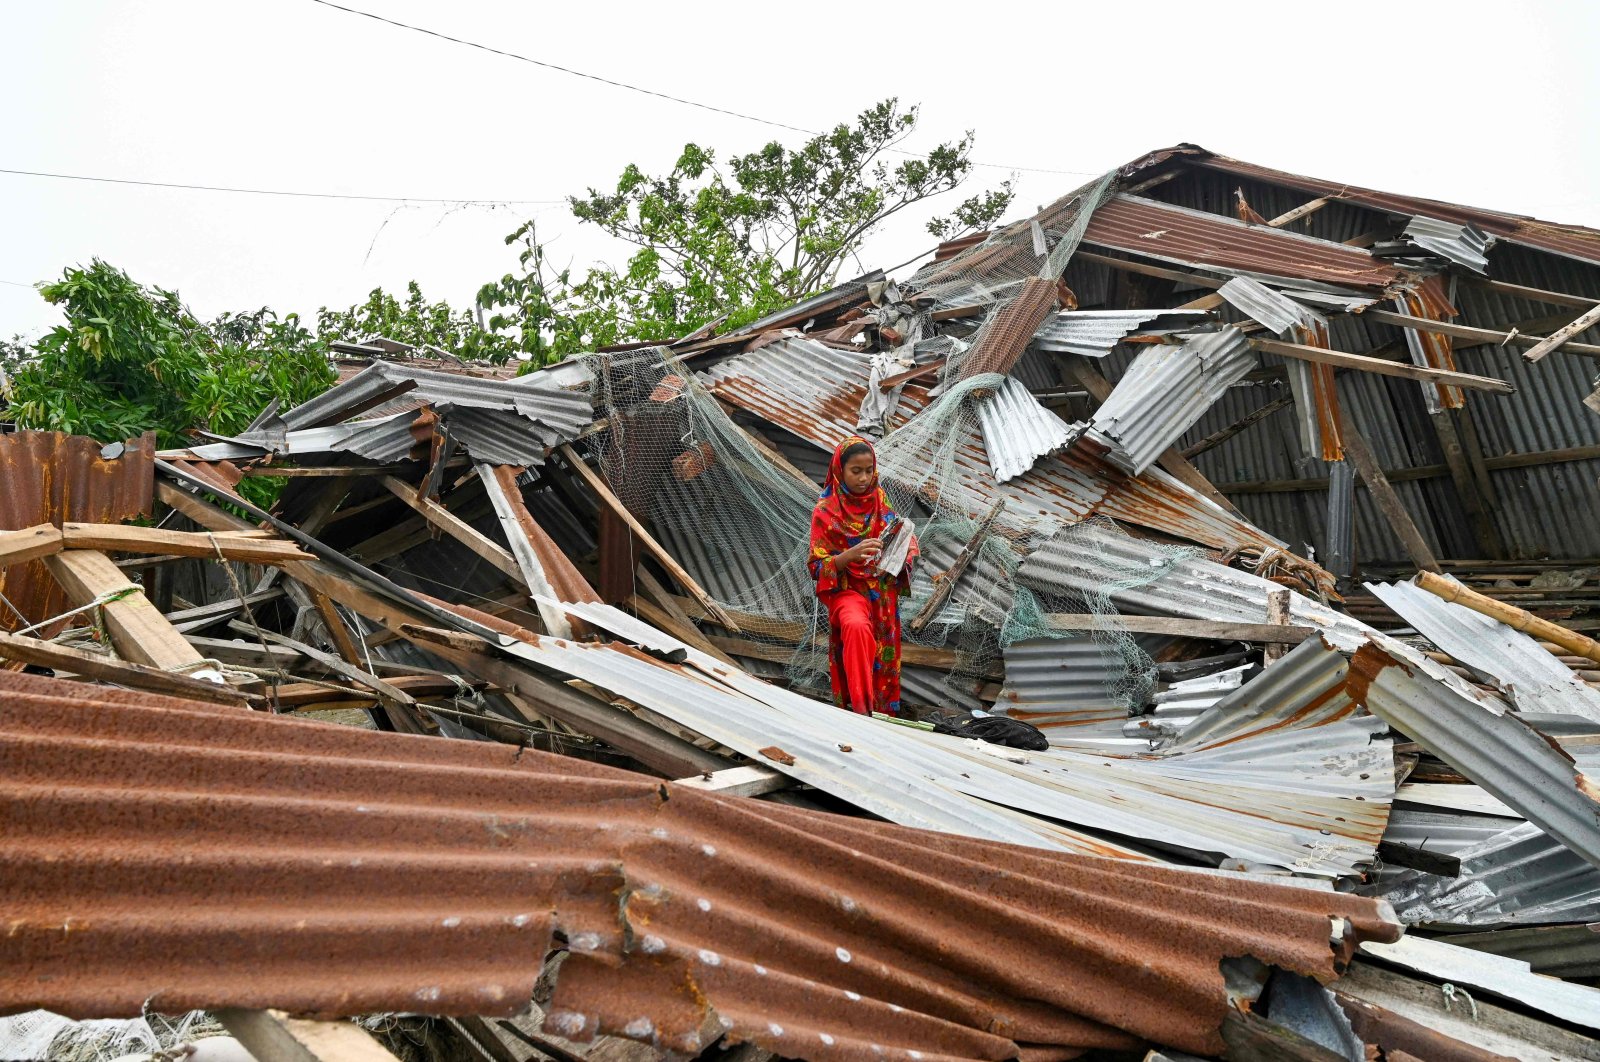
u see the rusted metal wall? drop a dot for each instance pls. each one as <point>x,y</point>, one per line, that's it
<point>47,477</point>
<point>167,855</point>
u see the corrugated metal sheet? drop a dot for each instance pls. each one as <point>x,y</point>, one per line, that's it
<point>1319,815</point>
<point>1017,430</point>
<point>1093,333</point>
<point>1166,390</point>
<point>1060,684</point>
<point>1482,740</point>
<point>331,871</point>
<point>1465,245</point>
<point>1519,876</point>
<point>1009,329</point>
<point>1153,229</point>
<point>1277,311</point>
<point>1533,678</point>
<point>1557,951</point>
<point>1503,977</point>
<point>1306,688</point>
<point>47,477</point>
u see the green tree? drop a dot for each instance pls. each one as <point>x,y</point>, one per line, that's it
<point>735,242</point>
<point>131,359</point>
<point>422,324</point>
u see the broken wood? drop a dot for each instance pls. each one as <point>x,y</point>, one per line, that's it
<point>31,543</point>
<point>1298,212</point>
<point>1278,604</point>
<point>598,485</point>
<point>1512,616</point>
<point>1222,435</point>
<point>122,672</point>
<point>1343,360</point>
<point>945,582</point>
<point>1562,336</point>
<point>751,780</point>
<point>137,630</point>
<point>451,524</point>
<point>1483,335</point>
<point>201,616</point>
<point>1394,511</point>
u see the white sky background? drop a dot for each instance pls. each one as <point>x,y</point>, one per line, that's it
<point>1490,104</point>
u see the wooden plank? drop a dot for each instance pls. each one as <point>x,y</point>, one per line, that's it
<point>1303,210</point>
<point>458,529</point>
<point>656,550</point>
<point>247,654</point>
<point>1222,435</point>
<point>201,616</point>
<point>751,780</point>
<point>122,672</point>
<point>889,383</point>
<point>1360,454</point>
<point>251,547</point>
<point>138,631</point>
<point>272,1034</point>
<point>31,543</point>
<point>679,625</point>
<point>1554,298</point>
<point>384,689</point>
<point>329,471</point>
<point>1381,367</point>
<point>199,510</point>
<point>1184,627</point>
<point>1479,510</point>
<point>343,641</point>
<point>1484,335</point>
<point>1559,338</point>
<point>1142,269</point>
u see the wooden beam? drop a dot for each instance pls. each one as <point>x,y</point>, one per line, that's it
<point>343,641</point>
<point>1561,336</point>
<point>124,673</point>
<point>1217,438</point>
<point>201,616</point>
<point>655,549</point>
<point>891,382</point>
<point>944,583</point>
<point>1553,298</point>
<point>329,471</point>
<point>273,1034</point>
<point>1183,627</point>
<point>752,780</point>
<point>1486,335</point>
<point>138,631</point>
<point>31,543</point>
<point>451,524</point>
<point>679,625</point>
<point>246,547</point>
<point>1122,264</point>
<point>1479,510</point>
<point>382,688</point>
<point>199,510</point>
<point>1381,367</point>
<point>1360,454</point>
<point>1298,212</point>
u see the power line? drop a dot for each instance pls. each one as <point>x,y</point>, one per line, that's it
<point>646,91</point>
<point>268,191</point>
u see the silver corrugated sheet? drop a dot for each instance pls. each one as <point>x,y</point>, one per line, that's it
<point>1306,688</point>
<point>1558,951</point>
<point>1260,303</point>
<point>1093,333</point>
<point>1520,875</point>
<point>1017,430</point>
<point>537,396</point>
<point>1464,245</point>
<point>1315,806</point>
<point>1533,678</point>
<point>1482,740</point>
<point>1165,391</point>
<point>1060,684</point>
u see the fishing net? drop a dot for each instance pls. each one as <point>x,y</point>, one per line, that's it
<point>736,514</point>
<point>41,1034</point>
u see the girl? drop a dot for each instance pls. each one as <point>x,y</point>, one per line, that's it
<point>848,527</point>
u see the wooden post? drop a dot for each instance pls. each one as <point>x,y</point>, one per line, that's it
<point>1278,616</point>
<point>1366,464</point>
<point>1561,335</point>
<point>138,632</point>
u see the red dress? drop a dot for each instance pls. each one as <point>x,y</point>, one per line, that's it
<point>863,604</point>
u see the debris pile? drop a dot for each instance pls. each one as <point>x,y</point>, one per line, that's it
<point>1268,751</point>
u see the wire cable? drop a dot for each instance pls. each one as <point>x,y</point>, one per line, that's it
<point>266,191</point>
<point>650,92</point>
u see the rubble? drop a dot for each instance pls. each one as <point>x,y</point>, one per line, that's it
<point>1281,804</point>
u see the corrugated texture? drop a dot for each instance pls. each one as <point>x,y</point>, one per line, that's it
<point>1482,740</point>
<point>1009,329</point>
<point>1166,390</point>
<point>1533,678</point>
<point>1519,876</point>
<point>1060,684</point>
<point>1507,978</point>
<point>1175,234</point>
<point>47,477</point>
<point>1093,333</point>
<point>1017,430</point>
<point>1320,815</point>
<point>1557,951</point>
<point>1464,245</point>
<point>1573,241</point>
<point>1277,311</point>
<point>335,871</point>
<point>1306,688</point>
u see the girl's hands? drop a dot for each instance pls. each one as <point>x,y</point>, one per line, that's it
<point>868,549</point>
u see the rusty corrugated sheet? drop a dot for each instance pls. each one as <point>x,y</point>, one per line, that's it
<point>47,477</point>
<point>1432,350</point>
<point>1193,238</point>
<point>170,856</point>
<point>565,579</point>
<point>1009,329</point>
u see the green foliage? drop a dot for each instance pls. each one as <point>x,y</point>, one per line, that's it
<point>422,324</point>
<point>131,359</point>
<point>734,243</point>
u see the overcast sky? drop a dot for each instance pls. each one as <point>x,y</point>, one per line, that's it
<point>1490,104</point>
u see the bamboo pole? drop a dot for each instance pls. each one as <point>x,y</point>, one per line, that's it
<point>1512,616</point>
